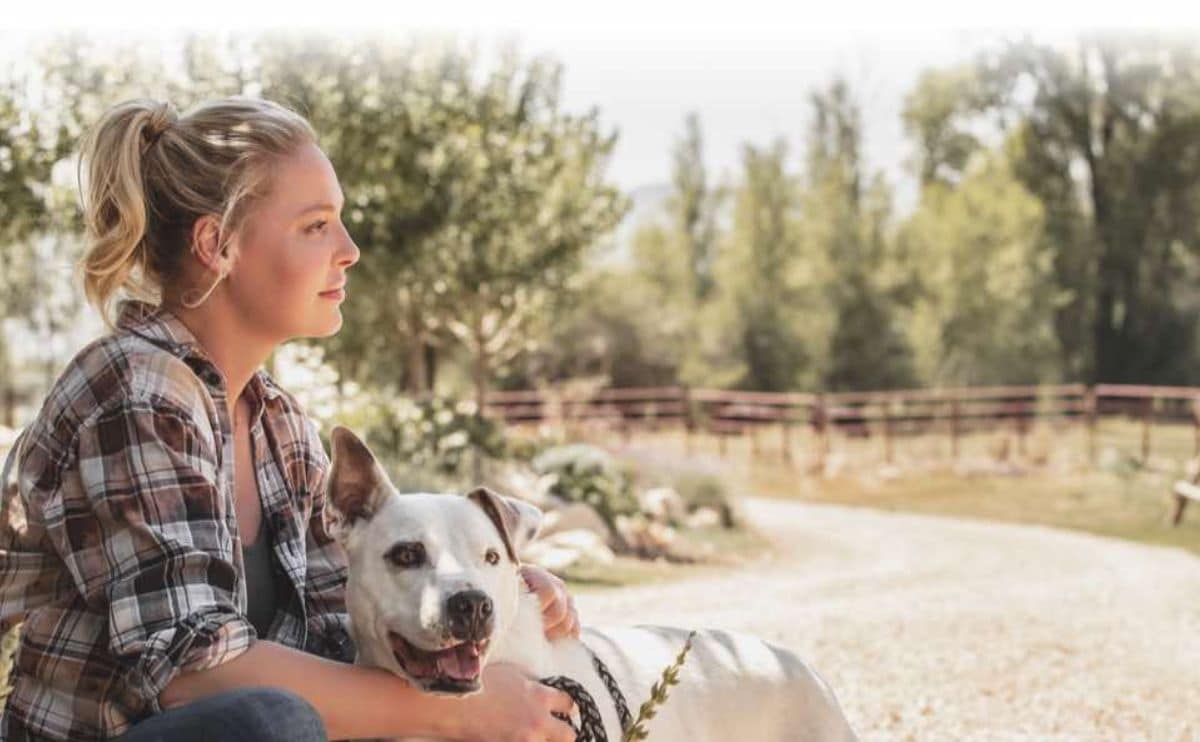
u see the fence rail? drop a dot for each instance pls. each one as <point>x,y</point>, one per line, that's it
<point>887,415</point>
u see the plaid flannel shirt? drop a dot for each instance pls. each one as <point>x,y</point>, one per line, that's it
<point>120,548</point>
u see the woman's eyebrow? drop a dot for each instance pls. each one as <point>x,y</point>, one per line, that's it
<point>323,206</point>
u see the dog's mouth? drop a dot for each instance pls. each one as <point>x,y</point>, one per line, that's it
<point>453,670</point>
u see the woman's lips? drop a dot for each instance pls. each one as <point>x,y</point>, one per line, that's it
<point>335,294</point>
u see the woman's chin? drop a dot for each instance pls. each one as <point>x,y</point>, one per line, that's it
<point>329,325</point>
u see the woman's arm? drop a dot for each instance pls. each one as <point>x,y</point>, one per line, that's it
<point>353,701</point>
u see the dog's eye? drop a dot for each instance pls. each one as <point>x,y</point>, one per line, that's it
<point>408,554</point>
<point>492,557</point>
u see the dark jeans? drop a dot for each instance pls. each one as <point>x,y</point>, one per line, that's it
<point>250,714</point>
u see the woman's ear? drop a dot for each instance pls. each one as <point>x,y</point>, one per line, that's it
<point>207,247</point>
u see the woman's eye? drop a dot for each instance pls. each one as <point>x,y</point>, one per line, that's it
<point>493,557</point>
<point>316,227</point>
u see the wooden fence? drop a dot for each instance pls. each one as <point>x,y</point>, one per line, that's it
<point>886,416</point>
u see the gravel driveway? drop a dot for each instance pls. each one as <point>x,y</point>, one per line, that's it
<point>938,628</point>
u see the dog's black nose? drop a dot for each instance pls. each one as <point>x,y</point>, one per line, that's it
<point>470,614</point>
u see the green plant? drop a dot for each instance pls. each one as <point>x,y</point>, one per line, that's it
<point>706,491</point>
<point>584,473</point>
<point>658,694</point>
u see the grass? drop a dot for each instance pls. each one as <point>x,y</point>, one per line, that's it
<point>713,548</point>
<point>1047,477</point>
<point>1128,506</point>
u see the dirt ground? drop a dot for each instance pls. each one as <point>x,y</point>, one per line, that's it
<point>937,628</point>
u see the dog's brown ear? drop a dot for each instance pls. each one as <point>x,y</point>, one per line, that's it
<point>516,520</point>
<point>357,483</point>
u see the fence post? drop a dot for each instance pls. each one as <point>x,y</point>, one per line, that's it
<point>785,419</point>
<point>887,430</point>
<point>1196,427</point>
<point>955,415</point>
<point>1147,420</point>
<point>820,424</point>
<point>689,422</point>
<point>1089,411</point>
<point>1021,429</point>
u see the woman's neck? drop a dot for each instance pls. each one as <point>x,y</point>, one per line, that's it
<point>235,349</point>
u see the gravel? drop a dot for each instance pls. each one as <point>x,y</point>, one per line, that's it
<point>938,628</point>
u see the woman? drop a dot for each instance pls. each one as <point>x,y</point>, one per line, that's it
<point>168,548</point>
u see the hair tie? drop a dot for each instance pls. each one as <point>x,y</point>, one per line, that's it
<point>162,120</point>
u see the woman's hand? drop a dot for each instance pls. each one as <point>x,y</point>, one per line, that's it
<point>514,708</point>
<point>558,607</point>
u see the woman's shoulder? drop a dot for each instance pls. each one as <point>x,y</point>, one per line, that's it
<point>119,369</point>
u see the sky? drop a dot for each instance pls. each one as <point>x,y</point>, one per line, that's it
<point>745,66</point>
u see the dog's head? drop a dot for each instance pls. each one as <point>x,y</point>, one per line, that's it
<point>434,578</point>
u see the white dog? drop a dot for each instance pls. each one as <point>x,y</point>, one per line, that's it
<point>434,594</point>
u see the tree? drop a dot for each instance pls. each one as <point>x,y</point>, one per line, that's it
<point>475,197</point>
<point>694,205</point>
<point>763,291</point>
<point>846,221</point>
<point>1109,134</point>
<point>986,292</point>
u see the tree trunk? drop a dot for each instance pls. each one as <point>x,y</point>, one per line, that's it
<point>416,376</point>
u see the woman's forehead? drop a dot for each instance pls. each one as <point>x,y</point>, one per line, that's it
<point>306,181</point>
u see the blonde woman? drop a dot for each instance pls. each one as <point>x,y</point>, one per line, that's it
<point>167,544</point>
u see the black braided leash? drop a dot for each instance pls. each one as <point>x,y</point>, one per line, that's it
<point>591,726</point>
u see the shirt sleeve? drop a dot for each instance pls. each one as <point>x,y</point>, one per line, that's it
<point>148,542</point>
<point>326,568</point>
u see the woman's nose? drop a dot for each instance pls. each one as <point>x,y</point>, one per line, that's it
<point>349,253</point>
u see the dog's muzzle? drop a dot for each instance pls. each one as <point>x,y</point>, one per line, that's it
<point>455,669</point>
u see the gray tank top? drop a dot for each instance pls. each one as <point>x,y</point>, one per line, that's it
<point>260,581</point>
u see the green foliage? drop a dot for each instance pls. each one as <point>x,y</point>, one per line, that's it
<point>985,286</point>
<point>846,219</point>
<point>766,306</point>
<point>706,491</point>
<point>473,196</point>
<point>658,694</point>
<point>438,434</point>
<point>584,473</point>
<point>1107,139</point>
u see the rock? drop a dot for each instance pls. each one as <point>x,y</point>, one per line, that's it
<point>663,504</point>
<point>644,537</point>
<point>565,548</point>
<point>704,518</point>
<point>573,516</point>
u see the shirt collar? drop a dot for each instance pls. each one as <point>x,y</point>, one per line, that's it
<point>162,327</point>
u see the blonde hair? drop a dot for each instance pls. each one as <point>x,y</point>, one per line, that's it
<point>152,173</point>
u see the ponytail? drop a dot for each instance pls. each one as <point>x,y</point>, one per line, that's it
<point>152,173</point>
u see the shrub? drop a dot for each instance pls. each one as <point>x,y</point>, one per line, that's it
<point>584,473</point>
<point>706,491</point>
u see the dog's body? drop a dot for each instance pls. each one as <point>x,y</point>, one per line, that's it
<point>434,594</point>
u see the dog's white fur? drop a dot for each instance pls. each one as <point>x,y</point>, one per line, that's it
<point>732,686</point>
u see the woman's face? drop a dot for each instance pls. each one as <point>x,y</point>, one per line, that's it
<point>293,252</point>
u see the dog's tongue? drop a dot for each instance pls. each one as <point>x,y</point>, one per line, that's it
<point>460,663</point>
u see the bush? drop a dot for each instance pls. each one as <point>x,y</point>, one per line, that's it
<point>584,473</point>
<point>424,444</point>
<point>706,491</point>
